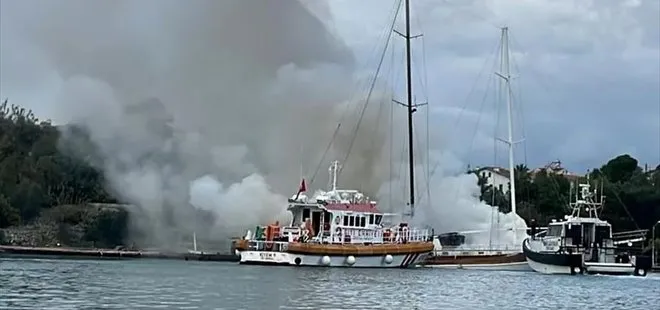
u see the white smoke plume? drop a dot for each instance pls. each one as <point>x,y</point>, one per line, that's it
<point>199,105</point>
<point>205,106</point>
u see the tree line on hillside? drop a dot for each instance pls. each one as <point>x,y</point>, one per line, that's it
<point>38,176</point>
<point>632,195</point>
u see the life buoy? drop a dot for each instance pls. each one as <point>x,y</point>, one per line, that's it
<point>337,220</point>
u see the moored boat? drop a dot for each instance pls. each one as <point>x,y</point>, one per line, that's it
<point>450,255</point>
<point>336,228</point>
<point>582,243</point>
<point>450,249</point>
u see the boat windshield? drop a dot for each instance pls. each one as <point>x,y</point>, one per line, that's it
<point>554,230</point>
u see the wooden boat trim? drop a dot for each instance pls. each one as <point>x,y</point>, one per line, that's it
<point>474,259</point>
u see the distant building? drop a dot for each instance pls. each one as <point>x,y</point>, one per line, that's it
<point>498,177</point>
<point>555,168</point>
<point>495,176</point>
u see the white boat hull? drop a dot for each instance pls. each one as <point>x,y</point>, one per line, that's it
<point>547,268</point>
<point>610,268</point>
<point>289,259</point>
<point>517,266</point>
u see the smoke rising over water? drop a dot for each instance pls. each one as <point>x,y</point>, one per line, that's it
<point>204,105</point>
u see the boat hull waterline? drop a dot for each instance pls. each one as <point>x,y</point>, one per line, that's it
<point>504,262</point>
<point>314,260</point>
<point>514,262</point>
<point>572,264</point>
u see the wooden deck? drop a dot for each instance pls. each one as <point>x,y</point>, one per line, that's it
<point>487,258</point>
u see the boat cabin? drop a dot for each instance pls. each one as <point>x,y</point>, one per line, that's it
<point>337,216</point>
<point>580,232</point>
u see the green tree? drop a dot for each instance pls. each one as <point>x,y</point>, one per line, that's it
<point>39,171</point>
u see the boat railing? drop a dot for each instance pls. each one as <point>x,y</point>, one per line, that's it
<point>477,249</point>
<point>357,235</point>
<point>263,245</point>
<point>350,236</point>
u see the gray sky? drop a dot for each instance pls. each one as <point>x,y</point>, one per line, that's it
<point>589,71</point>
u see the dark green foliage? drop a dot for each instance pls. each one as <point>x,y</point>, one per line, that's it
<point>35,175</point>
<point>632,195</point>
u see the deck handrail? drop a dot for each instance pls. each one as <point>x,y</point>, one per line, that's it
<point>481,248</point>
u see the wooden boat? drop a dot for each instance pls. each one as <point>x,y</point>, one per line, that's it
<point>450,250</point>
<point>337,228</point>
<point>457,256</point>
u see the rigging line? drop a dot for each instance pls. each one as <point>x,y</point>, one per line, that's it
<point>420,194</point>
<point>402,166</point>
<point>474,84</point>
<point>555,184</point>
<point>371,88</point>
<point>428,125</point>
<point>424,72</point>
<point>625,208</point>
<point>391,127</point>
<point>385,34</point>
<point>519,104</point>
<point>424,84</point>
<point>481,110</point>
<point>483,99</point>
<point>327,148</point>
<point>395,10</point>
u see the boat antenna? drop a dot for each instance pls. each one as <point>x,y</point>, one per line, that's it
<point>506,77</point>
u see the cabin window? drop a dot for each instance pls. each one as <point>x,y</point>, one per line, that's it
<point>501,187</point>
<point>363,221</point>
<point>305,214</point>
<point>345,220</point>
<point>371,219</point>
<point>554,230</point>
<point>378,219</point>
<point>351,221</point>
<point>602,232</point>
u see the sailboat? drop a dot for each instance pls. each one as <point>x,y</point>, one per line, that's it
<point>450,252</point>
<point>342,227</point>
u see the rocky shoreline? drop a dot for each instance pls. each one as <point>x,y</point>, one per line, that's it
<point>77,226</point>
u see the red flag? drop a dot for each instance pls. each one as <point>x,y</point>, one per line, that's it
<point>301,189</point>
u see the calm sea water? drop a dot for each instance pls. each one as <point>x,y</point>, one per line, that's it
<point>158,284</point>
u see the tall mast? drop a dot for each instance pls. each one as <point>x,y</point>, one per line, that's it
<point>506,76</point>
<point>410,112</point>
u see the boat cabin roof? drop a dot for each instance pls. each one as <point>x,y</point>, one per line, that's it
<point>580,220</point>
<point>336,200</point>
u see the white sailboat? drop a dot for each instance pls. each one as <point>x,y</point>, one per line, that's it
<point>449,251</point>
